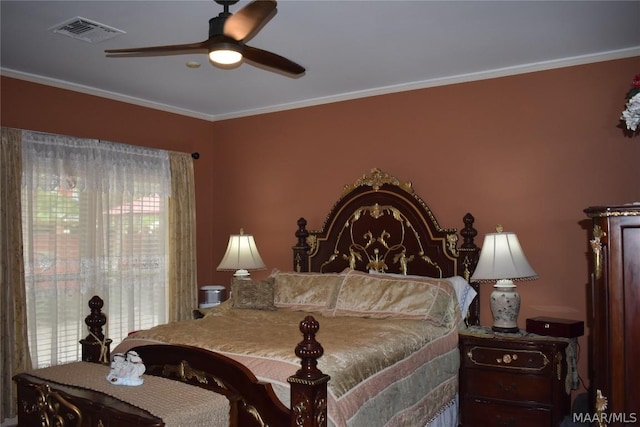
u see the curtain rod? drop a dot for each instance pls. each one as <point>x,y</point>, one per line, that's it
<point>194,155</point>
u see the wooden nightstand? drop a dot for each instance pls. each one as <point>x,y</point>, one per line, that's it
<point>517,380</point>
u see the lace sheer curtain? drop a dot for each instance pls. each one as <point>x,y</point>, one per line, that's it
<point>95,222</point>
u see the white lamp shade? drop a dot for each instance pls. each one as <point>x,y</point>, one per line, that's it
<point>502,257</point>
<point>241,254</point>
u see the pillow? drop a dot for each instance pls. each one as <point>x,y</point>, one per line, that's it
<point>306,291</point>
<point>464,291</point>
<point>253,295</point>
<point>385,296</point>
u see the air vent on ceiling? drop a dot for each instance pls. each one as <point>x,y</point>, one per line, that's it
<point>86,30</point>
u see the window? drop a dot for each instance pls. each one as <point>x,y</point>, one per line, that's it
<point>94,223</point>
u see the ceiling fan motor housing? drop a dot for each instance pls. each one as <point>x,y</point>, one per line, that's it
<point>226,3</point>
<point>216,25</point>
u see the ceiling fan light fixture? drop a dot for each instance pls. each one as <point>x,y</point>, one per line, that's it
<point>226,46</point>
<point>226,54</point>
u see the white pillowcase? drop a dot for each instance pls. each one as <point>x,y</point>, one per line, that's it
<point>464,292</point>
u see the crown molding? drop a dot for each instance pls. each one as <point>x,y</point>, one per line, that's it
<point>462,78</point>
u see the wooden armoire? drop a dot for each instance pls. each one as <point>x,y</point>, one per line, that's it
<point>614,321</point>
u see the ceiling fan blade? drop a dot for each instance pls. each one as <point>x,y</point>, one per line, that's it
<point>246,22</point>
<point>271,60</point>
<point>177,49</point>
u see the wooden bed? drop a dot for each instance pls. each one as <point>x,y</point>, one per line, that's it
<point>378,227</point>
<point>379,223</point>
<point>43,401</point>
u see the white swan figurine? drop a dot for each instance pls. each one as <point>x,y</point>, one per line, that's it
<point>126,369</point>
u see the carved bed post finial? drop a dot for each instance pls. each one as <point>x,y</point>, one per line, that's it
<point>309,384</point>
<point>96,320</point>
<point>468,233</point>
<point>302,233</point>
<point>301,248</point>
<point>309,350</point>
<point>95,347</point>
<point>469,254</point>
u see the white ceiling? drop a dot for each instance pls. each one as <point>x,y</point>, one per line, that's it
<point>349,48</point>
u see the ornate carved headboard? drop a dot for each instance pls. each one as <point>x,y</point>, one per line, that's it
<point>379,223</point>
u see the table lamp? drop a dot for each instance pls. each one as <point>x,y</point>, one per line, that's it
<point>241,255</point>
<point>502,260</point>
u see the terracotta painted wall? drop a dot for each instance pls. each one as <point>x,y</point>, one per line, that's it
<point>26,105</point>
<point>528,152</point>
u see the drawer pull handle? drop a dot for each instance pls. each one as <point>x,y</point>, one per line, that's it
<point>512,388</point>
<point>505,422</point>
<point>559,365</point>
<point>528,360</point>
<point>507,358</point>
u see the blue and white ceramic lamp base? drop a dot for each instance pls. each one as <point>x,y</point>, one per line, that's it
<point>505,306</point>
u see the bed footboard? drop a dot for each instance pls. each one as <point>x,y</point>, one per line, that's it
<point>252,402</point>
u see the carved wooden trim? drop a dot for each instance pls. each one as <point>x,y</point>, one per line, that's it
<point>436,253</point>
<point>309,384</point>
<point>53,409</point>
<point>596,247</point>
<point>376,179</point>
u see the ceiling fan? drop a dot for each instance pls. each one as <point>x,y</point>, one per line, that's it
<point>226,45</point>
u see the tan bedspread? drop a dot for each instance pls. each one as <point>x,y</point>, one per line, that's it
<point>383,371</point>
<point>195,407</point>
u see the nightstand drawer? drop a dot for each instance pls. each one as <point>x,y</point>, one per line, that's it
<point>508,386</point>
<point>526,361</point>
<point>483,414</point>
<point>516,381</point>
